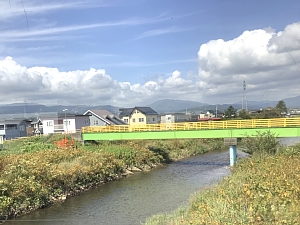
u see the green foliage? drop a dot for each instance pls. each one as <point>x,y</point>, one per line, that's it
<point>270,113</point>
<point>281,107</point>
<point>243,114</point>
<point>230,113</point>
<point>263,143</point>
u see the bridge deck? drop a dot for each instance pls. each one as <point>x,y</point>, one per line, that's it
<point>282,127</point>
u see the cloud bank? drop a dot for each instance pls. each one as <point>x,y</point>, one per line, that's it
<point>267,60</point>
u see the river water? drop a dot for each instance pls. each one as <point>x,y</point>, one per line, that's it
<point>132,199</point>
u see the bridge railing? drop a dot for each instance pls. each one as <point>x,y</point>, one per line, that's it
<point>225,124</point>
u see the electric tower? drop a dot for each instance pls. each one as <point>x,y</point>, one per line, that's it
<point>244,102</point>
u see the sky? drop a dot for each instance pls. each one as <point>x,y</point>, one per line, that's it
<point>135,52</point>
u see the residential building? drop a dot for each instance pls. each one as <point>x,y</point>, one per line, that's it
<point>13,128</point>
<point>174,117</point>
<point>64,123</point>
<point>103,118</point>
<point>208,114</point>
<point>139,115</point>
<point>36,127</point>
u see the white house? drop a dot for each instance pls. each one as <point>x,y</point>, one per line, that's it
<point>64,123</point>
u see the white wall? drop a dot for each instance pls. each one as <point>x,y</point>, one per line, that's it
<point>47,128</point>
<point>70,126</point>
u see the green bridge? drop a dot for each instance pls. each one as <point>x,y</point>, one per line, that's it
<point>281,127</point>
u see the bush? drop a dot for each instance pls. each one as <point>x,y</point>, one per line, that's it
<point>264,143</point>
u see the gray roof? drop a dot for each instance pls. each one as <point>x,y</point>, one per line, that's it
<point>126,112</point>
<point>144,110</point>
<point>102,113</point>
<point>106,116</point>
<point>147,110</point>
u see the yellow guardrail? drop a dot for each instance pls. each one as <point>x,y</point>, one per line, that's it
<point>224,124</point>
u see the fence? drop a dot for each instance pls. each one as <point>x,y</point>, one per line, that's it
<point>225,124</point>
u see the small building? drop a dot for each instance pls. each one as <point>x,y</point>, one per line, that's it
<point>36,127</point>
<point>174,117</point>
<point>139,115</point>
<point>64,123</point>
<point>13,128</point>
<point>208,114</point>
<point>103,118</point>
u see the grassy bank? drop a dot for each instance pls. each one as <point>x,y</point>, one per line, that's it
<point>263,189</point>
<point>35,173</point>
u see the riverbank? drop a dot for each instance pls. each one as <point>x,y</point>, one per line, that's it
<point>263,189</point>
<point>33,178</point>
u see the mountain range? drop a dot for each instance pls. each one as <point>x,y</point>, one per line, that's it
<point>161,106</point>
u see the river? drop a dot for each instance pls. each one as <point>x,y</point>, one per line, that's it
<point>132,199</point>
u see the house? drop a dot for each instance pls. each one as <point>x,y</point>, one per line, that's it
<point>103,118</point>
<point>174,117</point>
<point>13,128</point>
<point>36,127</point>
<point>139,115</point>
<point>64,123</point>
<point>208,114</point>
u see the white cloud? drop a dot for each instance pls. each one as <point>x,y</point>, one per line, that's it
<point>94,86</point>
<point>266,60</point>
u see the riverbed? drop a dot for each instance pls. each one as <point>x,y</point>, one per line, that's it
<point>134,198</point>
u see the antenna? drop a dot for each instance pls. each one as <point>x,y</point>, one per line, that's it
<point>25,106</point>
<point>244,102</point>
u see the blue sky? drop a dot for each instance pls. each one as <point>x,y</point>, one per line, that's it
<point>135,52</point>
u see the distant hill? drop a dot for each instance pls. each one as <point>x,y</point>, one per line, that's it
<point>18,110</point>
<point>166,105</point>
<point>171,105</point>
<point>293,102</point>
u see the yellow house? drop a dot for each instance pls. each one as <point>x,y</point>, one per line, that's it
<point>139,115</point>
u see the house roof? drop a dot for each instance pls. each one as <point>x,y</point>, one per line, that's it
<point>144,110</point>
<point>105,116</point>
<point>125,112</point>
<point>14,120</point>
<point>147,110</point>
<point>100,112</point>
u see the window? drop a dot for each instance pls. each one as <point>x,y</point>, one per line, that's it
<point>1,127</point>
<point>133,120</point>
<point>95,122</point>
<point>153,119</point>
<point>11,126</point>
<point>126,120</point>
<point>22,128</point>
<point>141,120</point>
<point>49,123</point>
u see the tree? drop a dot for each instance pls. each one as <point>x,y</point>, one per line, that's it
<point>270,112</point>
<point>281,107</point>
<point>230,112</point>
<point>244,114</point>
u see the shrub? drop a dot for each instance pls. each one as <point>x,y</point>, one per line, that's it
<point>264,143</point>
